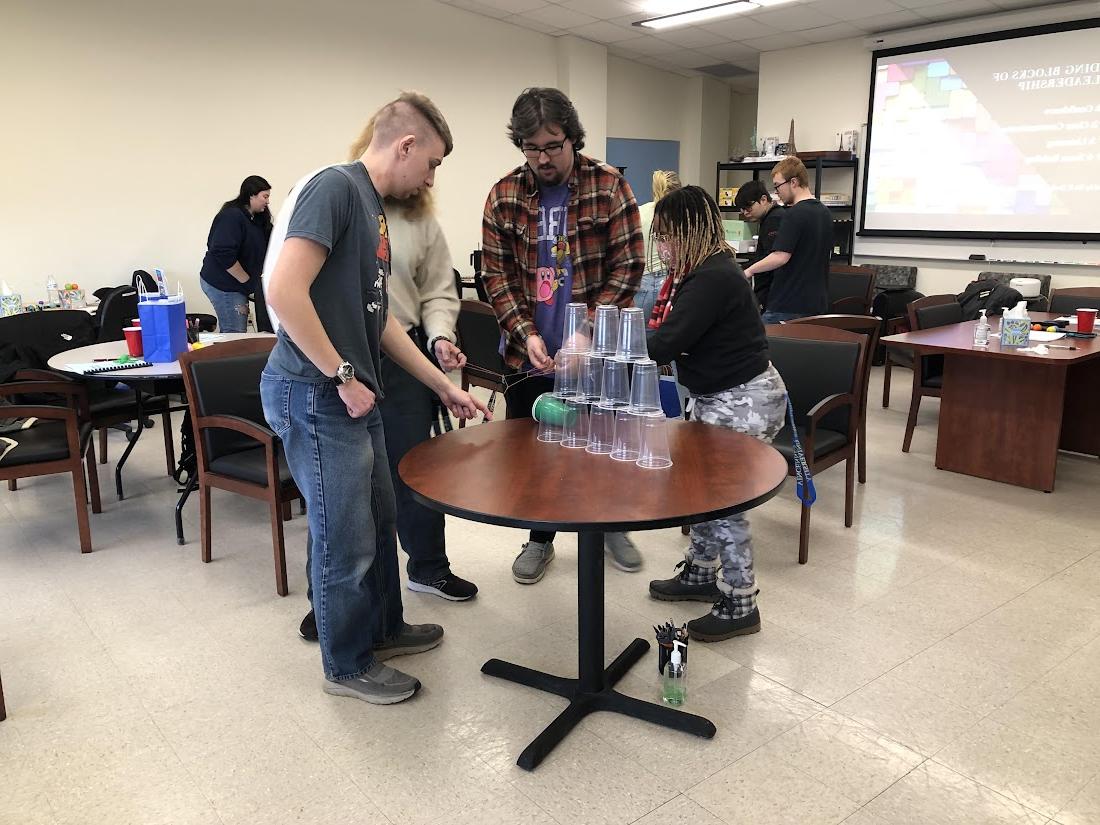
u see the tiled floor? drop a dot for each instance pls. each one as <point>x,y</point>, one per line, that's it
<point>937,663</point>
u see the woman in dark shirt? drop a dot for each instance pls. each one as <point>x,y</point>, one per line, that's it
<point>707,320</point>
<point>235,250</point>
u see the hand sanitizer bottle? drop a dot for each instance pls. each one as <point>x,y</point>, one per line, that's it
<point>981,331</point>
<point>52,296</point>
<point>674,687</point>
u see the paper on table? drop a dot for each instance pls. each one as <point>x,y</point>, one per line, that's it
<point>1072,319</point>
<point>1038,336</point>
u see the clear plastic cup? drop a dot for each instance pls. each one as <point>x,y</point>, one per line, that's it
<point>654,453</point>
<point>645,387</point>
<point>567,374</point>
<point>591,377</point>
<point>550,431</point>
<point>605,330</point>
<point>577,334</point>
<point>615,387</point>
<point>601,430</point>
<point>632,346</point>
<point>627,444</point>
<point>575,432</point>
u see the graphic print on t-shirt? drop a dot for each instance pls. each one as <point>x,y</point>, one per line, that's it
<point>383,259</point>
<point>554,275</point>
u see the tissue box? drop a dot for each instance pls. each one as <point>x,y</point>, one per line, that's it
<point>1015,332</point>
<point>72,298</point>
<point>11,305</point>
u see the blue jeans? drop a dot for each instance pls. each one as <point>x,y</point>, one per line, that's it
<point>646,296</point>
<point>776,317</point>
<point>230,307</point>
<point>339,464</point>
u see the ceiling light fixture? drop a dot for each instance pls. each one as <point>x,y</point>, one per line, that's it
<point>684,18</point>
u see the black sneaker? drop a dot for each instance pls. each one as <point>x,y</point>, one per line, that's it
<point>679,588</point>
<point>451,587</point>
<point>719,624</point>
<point>308,628</point>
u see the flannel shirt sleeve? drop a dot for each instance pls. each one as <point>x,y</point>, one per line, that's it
<point>625,260</point>
<point>503,280</point>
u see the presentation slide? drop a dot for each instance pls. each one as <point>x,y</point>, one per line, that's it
<point>995,139</point>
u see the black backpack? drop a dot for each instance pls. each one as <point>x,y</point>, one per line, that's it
<point>992,296</point>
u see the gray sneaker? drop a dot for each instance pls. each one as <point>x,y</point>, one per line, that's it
<point>622,551</point>
<point>530,565</point>
<point>381,685</point>
<point>413,638</point>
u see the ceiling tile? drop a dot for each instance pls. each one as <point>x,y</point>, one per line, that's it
<point>854,9</point>
<point>692,37</point>
<point>893,20</point>
<point>687,58</point>
<point>627,20</point>
<point>739,28</point>
<point>608,9</point>
<point>603,32</point>
<point>531,23</point>
<point>559,17</point>
<point>837,31</point>
<point>775,42</point>
<point>957,9</point>
<point>478,8</point>
<point>731,51</point>
<point>796,18</point>
<point>918,4</point>
<point>514,6</point>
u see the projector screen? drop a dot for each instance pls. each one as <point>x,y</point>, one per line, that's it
<point>990,137</point>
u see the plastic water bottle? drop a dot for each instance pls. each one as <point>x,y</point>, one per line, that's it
<point>53,298</point>
<point>981,331</point>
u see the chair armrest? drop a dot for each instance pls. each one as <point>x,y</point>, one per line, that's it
<point>69,388</point>
<point>51,412</point>
<point>44,375</point>
<point>825,406</point>
<point>259,432</point>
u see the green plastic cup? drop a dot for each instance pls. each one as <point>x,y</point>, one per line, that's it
<point>550,410</point>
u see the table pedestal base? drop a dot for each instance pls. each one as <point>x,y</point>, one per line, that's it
<point>593,690</point>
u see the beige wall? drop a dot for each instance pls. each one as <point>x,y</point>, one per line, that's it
<point>128,124</point>
<point>825,88</point>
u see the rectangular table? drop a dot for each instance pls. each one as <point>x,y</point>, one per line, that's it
<point>1005,414</point>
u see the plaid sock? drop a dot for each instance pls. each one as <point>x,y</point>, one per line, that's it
<point>695,574</point>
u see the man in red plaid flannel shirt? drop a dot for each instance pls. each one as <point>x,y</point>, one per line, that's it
<point>561,228</point>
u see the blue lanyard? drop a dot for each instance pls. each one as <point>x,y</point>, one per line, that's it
<point>804,484</point>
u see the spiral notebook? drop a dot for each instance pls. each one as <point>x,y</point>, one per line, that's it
<point>106,366</point>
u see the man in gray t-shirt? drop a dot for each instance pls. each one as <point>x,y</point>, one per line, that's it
<point>325,280</point>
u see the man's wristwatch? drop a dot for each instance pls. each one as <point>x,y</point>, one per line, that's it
<point>344,373</point>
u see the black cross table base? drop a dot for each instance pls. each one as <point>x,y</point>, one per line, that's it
<point>593,690</point>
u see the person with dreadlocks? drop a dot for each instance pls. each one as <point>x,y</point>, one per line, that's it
<point>707,319</point>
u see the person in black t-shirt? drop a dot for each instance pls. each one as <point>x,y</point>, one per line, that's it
<point>802,249</point>
<point>757,206</point>
<point>708,321</point>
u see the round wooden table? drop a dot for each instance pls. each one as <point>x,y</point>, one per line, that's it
<point>498,473</point>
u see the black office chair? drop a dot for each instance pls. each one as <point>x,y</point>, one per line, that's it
<point>850,289</point>
<point>143,277</point>
<point>927,313</point>
<point>823,371</point>
<point>479,339</point>
<point>236,450</point>
<point>115,312</point>
<point>1068,301</point>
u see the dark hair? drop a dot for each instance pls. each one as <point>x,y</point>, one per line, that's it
<point>692,219</point>
<point>750,193</point>
<point>539,106</point>
<point>252,185</point>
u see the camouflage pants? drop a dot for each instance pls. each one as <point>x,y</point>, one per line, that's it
<point>757,408</point>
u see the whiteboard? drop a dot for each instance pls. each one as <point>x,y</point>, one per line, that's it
<point>954,249</point>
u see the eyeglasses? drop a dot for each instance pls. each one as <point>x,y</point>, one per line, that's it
<point>552,150</point>
<point>775,188</point>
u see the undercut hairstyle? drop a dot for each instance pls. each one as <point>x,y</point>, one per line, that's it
<point>411,113</point>
<point>750,193</point>
<point>693,224</point>
<point>540,106</point>
<point>665,181</point>
<point>413,208</point>
<point>791,168</point>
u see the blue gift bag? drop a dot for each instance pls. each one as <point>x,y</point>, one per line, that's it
<point>163,329</point>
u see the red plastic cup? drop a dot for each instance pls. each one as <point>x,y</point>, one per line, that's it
<point>135,322</point>
<point>1086,320</point>
<point>133,341</point>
